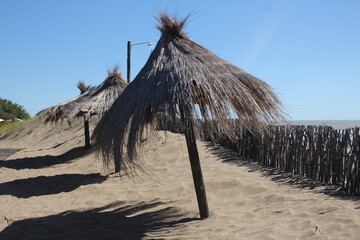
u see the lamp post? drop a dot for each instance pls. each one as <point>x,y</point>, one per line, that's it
<point>129,45</point>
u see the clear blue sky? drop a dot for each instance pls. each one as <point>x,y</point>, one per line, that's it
<point>308,51</point>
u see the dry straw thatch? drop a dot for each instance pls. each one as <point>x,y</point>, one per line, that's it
<point>83,87</point>
<point>180,72</point>
<point>92,101</point>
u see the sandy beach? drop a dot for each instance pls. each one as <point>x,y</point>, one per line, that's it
<point>55,189</point>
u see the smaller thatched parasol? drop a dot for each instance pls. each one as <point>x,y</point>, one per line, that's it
<point>92,101</point>
<point>54,113</point>
<point>179,76</point>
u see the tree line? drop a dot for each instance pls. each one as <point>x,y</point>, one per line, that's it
<point>10,110</point>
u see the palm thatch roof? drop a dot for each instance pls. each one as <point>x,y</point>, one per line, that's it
<point>92,101</point>
<point>182,75</point>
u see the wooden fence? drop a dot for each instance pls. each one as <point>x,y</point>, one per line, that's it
<point>321,153</point>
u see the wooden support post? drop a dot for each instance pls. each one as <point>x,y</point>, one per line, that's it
<point>195,166</point>
<point>87,132</point>
<point>117,166</point>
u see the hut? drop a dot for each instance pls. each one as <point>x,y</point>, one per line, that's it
<point>182,79</point>
<point>93,101</point>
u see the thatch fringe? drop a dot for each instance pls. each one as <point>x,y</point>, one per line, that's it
<point>182,74</point>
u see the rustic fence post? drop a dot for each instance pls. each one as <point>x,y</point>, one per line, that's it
<point>321,153</point>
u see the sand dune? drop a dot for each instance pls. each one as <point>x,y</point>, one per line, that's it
<point>54,189</point>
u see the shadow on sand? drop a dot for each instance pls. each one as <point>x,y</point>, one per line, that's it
<point>114,221</point>
<point>230,157</point>
<point>47,185</point>
<point>46,161</point>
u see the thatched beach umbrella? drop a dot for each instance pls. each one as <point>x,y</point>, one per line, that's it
<point>93,101</point>
<point>52,114</point>
<point>178,76</point>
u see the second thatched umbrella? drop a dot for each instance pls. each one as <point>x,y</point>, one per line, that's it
<point>93,101</point>
<point>54,113</point>
<point>178,76</point>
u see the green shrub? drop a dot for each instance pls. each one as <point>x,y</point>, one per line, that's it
<point>9,110</point>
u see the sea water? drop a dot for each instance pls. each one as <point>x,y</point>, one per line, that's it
<point>337,124</point>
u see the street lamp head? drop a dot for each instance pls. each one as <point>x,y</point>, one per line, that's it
<point>129,46</point>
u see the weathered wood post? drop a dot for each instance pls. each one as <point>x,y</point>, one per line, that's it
<point>117,166</point>
<point>86,132</point>
<point>195,165</point>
